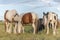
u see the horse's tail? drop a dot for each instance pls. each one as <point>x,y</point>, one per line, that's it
<point>5,14</point>
<point>5,19</point>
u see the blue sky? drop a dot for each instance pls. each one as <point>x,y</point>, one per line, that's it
<point>23,6</point>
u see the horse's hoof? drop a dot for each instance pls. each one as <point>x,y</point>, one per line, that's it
<point>18,33</point>
<point>54,34</point>
<point>34,33</point>
<point>47,33</point>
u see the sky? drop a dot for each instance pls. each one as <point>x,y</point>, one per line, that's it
<point>23,6</point>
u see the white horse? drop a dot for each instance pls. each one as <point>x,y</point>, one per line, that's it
<point>50,19</point>
<point>11,17</point>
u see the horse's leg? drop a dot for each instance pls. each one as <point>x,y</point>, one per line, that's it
<point>54,30</point>
<point>34,20</point>
<point>23,29</point>
<point>36,24</point>
<point>10,28</point>
<point>34,27</point>
<point>5,25</point>
<point>48,28</point>
<point>53,27</point>
<point>56,27</point>
<point>15,28</point>
<point>19,27</point>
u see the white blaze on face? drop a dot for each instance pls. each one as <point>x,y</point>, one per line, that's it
<point>50,16</point>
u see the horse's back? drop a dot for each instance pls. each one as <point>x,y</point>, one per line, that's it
<point>10,14</point>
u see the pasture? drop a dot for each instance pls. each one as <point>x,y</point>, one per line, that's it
<point>28,35</point>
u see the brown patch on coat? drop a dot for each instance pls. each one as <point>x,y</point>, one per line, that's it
<point>27,18</point>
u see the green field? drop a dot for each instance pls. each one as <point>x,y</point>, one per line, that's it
<point>28,35</point>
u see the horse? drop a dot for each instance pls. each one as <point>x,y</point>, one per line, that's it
<point>58,23</point>
<point>40,24</point>
<point>11,17</point>
<point>50,20</point>
<point>29,18</point>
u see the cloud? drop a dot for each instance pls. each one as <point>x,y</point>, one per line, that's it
<point>35,4</point>
<point>46,1</point>
<point>58,8</point>
<point>7,4</point>
<point>15,1</point>
<point>51,3</point>
<point>56,0</point>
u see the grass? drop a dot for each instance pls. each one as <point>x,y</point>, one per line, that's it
<point>28,35</point>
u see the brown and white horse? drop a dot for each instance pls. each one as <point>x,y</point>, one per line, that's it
<point>31,18</point>
<point>50,19</point>
<point>10,17</point>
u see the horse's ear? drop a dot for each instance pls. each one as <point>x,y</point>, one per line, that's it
<point>7,10</point>
<point>47,13</point>
<point>43,13</point>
